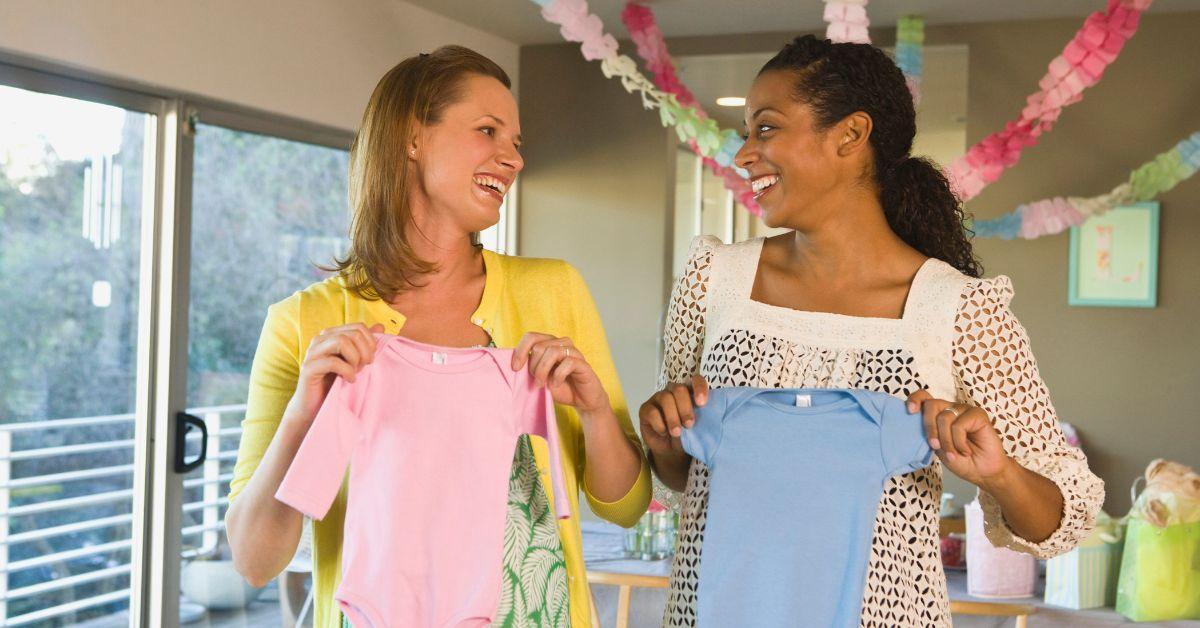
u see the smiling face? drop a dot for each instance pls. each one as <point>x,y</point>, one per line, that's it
<point>795,168</point>
<point>466,161</point>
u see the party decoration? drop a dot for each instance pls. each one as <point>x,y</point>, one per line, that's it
<point>1080,66</point>
<point>847,21</point>
<point>652,48</point>
<point>1055,215</point>
<point>910,50</point>
<point>578,24</point>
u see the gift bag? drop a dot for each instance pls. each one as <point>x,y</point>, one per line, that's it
<point>1160,567</point>
<point>1160,572</point>
<point>1086,577</point>
<point>995,572</point>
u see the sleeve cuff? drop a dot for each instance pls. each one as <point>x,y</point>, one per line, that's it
<point>307,505</point>
<point>1083,495</point>
<point>629,508</point>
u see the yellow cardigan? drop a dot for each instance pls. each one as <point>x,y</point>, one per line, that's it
<point>520,295</point>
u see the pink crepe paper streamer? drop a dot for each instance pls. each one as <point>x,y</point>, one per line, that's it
<point>847,21</point>
<point>652,48</point>
<point>914,88</point>
<point>1048,216</point>
<point>1081,64</point>
<point>577,24</point>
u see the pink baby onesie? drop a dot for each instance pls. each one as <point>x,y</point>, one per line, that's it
<point>431,432</point>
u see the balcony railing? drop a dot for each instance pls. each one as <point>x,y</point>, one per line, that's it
<point>200,539</point>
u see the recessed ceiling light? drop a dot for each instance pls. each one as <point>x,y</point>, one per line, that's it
<point>731,101</point>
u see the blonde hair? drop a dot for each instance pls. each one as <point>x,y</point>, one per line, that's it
<point>380,262</point>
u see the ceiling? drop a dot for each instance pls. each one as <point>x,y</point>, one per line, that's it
<point>519,21</point>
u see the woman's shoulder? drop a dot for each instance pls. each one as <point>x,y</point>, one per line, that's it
<point>535,270</point>
<point>313,304</point>
<point>998,289</point>
<point>709,250</point>
<point>963,289</point>
<point>709,244</point>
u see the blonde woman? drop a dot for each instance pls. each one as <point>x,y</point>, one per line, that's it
<point>437,150</point>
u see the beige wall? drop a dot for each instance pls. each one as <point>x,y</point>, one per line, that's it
<point>597,189</point>
<point>595,192</point>
<point>311,59</point>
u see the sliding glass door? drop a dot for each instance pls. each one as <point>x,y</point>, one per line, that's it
<point>266,212</point>
<point>77,180</point>
<point>141,239</point>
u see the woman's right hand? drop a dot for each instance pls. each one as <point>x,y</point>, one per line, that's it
<point>337,351</point>
<point>668,411</point>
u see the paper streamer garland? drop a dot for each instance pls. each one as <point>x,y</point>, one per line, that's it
<point>652,48</point>
<point>847,21</point>
<point>1082,63</point>
<point>1080,66</point>
<point>1055,215</point>
<point>910,44</point>
<point>579,25</point>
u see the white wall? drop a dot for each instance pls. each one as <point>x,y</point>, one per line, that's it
<point>317,60</point>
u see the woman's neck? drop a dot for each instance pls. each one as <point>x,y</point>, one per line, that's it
<point>456,260</point>
<point>856,239</point>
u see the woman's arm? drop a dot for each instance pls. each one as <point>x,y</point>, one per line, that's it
<point>968,444</point>
<point>663,416</point>
<point>613,460</point>
<point>615,476</point>
<point>285,396</point>
<point>1032,505</point>
<point>1046,500</point>
<point>264,532</point>
<point>614,463</point>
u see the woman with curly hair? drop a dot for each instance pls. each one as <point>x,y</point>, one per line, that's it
<point>874,286</point>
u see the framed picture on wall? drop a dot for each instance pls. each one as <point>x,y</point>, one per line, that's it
<point>1114,258</point>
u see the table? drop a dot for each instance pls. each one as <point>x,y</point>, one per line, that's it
<point>603,550</point>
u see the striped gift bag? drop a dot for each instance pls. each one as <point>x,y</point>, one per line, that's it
<point>1086,577</point>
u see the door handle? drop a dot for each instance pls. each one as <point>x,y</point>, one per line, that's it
<point>184,423</point>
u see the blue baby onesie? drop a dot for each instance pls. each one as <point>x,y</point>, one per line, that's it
<point>795,480</point>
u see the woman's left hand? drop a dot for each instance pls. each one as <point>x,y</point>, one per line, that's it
<point>963,438</point>
<point>556,363</point>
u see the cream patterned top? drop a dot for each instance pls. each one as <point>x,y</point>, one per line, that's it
<point>957,338</point>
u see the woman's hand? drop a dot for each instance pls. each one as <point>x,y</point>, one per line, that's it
<point>963,438</point>
<point>557,364</point>
<point>668,411</point>
<point>337,351</point>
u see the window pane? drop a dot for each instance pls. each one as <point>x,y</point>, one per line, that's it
<point>264,211</point>
<point>71,202</point>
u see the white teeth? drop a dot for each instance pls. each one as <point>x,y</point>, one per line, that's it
<point>762,183</point>
<point>491,182</point>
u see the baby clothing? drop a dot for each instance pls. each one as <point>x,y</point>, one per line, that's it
<point>431,433</point>
<point>795,481</point>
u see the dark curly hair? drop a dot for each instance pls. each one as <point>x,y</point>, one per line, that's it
<point>836,80</point>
